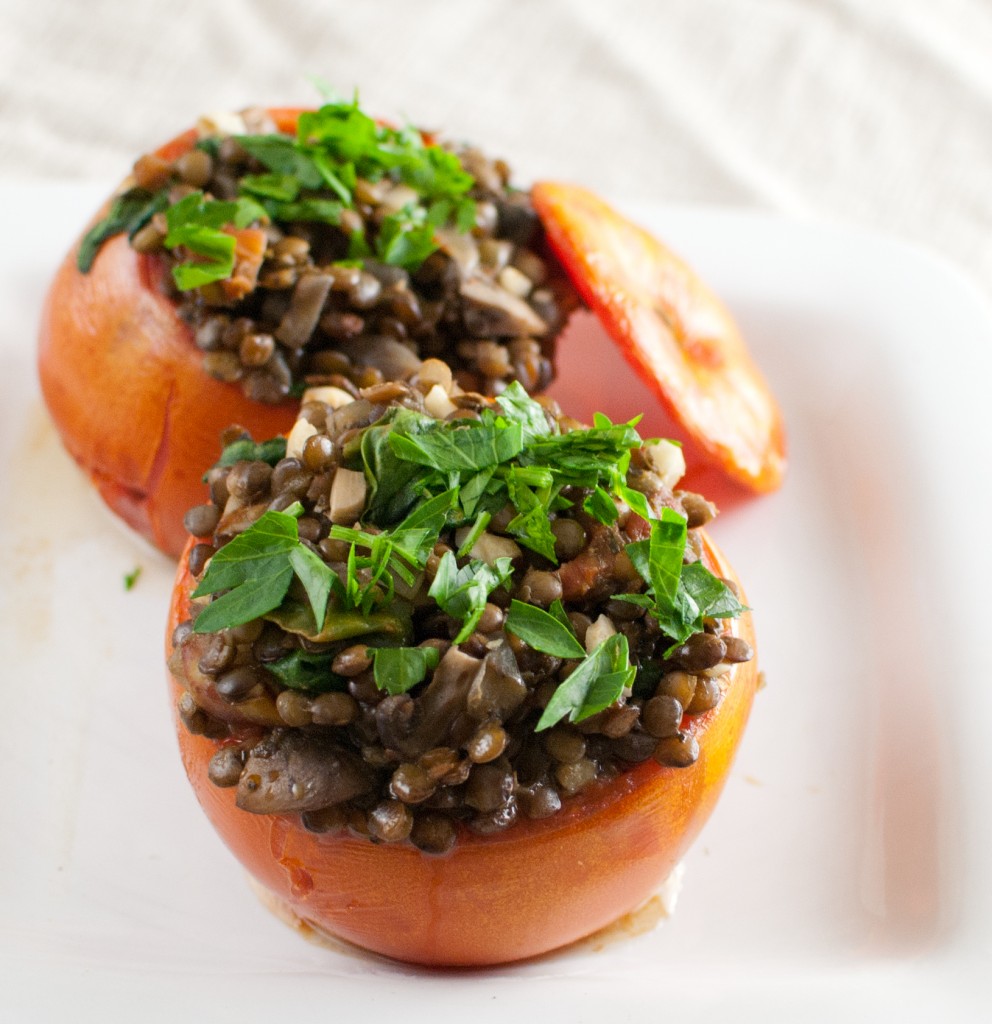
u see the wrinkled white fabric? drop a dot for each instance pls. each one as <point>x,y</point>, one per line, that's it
<point>877,112</point>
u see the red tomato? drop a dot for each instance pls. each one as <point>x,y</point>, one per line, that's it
<point>673,331</point>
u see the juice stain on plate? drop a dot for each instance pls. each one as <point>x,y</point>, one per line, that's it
<point>639,921</point>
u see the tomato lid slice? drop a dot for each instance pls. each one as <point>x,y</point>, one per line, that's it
<point>672,330</point>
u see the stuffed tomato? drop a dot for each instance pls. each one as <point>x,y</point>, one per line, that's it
<point>268,250</point>
<point>457,679</point>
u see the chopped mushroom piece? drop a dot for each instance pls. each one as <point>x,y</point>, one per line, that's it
<point>347,496</point>
<point>489,310</point>
<point>291,770</point>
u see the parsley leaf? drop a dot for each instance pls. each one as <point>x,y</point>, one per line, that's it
<point>679,596</point>
<point>398,669</point>
<point>281,155</point>
<point>713,598</point>
<point>254,569</point>
<point>531,526</point>
<point>473,446</point>
<point>594,685</point>
<point>543,630</point>
<point>406,238</point>
<point>394,483</point>
<point>463,593</point>
<point>658,559</point>
<point>195,224</point>
<point>317,577</point>
<point>519,407</point>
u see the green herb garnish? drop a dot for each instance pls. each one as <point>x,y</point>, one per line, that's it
<point>128,213</point>
<point>310,177</point>
<point>255,571</point>
<point>398,669</point>
<point>245,449</point>
<point>463,593</point>
<point>426,477</point>
<point>681,597</point>
<point>544,631</point>
<point>196,225</point>
<point>132,577</point>
<point>593,686</point>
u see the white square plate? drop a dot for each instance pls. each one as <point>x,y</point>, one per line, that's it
<point>845,874</point>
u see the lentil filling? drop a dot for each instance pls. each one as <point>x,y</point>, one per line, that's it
<point>429,610</point>
<point>344,255</point>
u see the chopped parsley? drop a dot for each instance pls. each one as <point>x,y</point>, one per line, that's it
<point>310,177</point>
<point>426,477</point>
<point>398,669</point>
<point>131,578</point>
<point>463,593</point>
<point>544,631</point>
<point>595,684</point>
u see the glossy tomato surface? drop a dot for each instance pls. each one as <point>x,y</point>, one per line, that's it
<point>491,899</point>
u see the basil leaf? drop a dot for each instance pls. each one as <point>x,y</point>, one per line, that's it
<point>543,631</point>
<point>398,669</point>
<point>594,685</point>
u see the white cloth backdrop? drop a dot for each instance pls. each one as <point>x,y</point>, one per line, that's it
<point>876,112</point>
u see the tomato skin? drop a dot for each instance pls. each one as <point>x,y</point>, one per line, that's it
<point>124,383</point>
<point>675,334</point>
<point>491,899</point>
